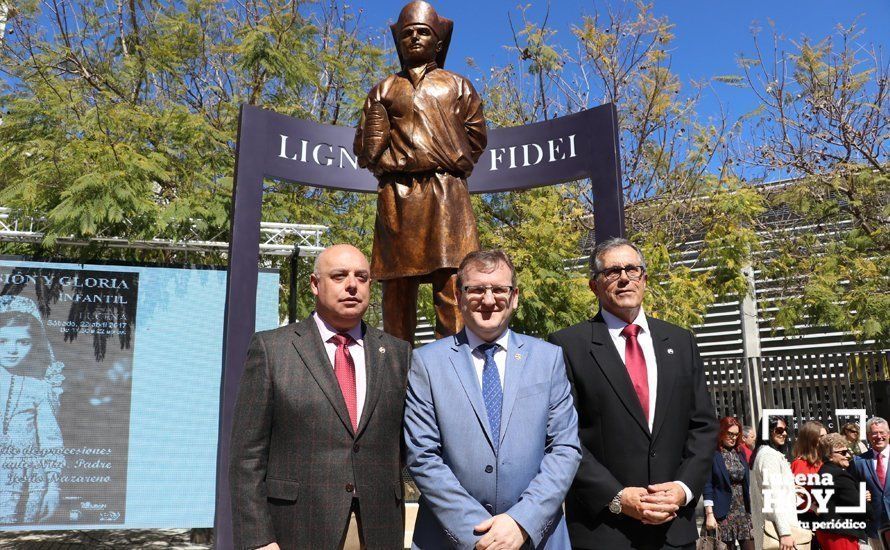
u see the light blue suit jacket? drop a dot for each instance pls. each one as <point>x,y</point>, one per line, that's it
<point>450,452</point>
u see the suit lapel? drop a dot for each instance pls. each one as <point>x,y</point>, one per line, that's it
<point>724,472</point>
<point>869,468</point>
<point>667,376</point>
<point>374,360</point>
<point>606,357</point>
<point>462,362</point>
<point>516,358</point>
<point>309,346</point>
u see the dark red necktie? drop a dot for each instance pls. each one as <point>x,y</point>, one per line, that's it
<point>881,470</point>
<point>636,366</point>
<point>344,370</point>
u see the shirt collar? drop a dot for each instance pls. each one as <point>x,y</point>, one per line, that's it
<point>416,74</point>
<point>616,325</point>
<point>474,341</point>
<point>327,331</point>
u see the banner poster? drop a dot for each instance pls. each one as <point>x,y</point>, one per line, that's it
<point>66,363</point>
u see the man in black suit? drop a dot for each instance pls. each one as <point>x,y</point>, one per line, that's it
<point>646,420</point>
<point>316,444</point>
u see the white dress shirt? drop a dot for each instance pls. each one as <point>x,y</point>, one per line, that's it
<point>500,354</point>
<point>644,338</point>
<point>356,350</point>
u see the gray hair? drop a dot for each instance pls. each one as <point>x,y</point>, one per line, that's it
<point>828,443</point>
<point>596,262</point>
<point>872,421</point>
<point>747,429</point>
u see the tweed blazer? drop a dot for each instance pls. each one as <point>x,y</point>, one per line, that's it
<point>296,463</point>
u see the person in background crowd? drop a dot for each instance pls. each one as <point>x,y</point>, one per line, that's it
<point>836,458</point>
<point>726,496</point>
<point>749,441</point>
<point>850,431</point>
<point>772,473</point>
<point>871,466</point>
<point>808,460</point>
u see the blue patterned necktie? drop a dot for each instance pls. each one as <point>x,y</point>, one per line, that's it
<point>492,393</point>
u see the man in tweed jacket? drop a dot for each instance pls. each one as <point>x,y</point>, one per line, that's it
<point>316,457</point>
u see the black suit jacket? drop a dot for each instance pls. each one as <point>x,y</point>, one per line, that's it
<point>718,487</point>
<point>617,448</point>
<point>845,483</point>
<point>295,459</point>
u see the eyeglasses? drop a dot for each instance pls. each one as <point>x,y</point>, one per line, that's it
<point>844,452</point>
<point>634,272</point>
<point>779,430</point>
<point>498,291</point>
<point>732,434</point>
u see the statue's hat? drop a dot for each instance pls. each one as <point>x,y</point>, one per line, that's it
<point>422,13</point>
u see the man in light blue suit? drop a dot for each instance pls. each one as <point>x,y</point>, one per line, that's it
<point>872,468</point>
<point>490,428</point>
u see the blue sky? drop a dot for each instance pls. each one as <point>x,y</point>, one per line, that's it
<point>708,34</point>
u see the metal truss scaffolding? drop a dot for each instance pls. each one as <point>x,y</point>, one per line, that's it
<point>276,239</point>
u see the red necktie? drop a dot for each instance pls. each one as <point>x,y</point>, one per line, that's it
<point>636,366</point>
<point>344,370</point>
<point>882,471</point>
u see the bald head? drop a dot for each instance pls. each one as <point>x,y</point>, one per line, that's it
<point>341,283</point>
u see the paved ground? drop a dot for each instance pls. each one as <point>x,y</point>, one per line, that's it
<point>161,539</point>
<point>167,539</point>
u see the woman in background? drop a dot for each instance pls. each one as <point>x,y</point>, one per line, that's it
<point>850,431</point>
<point>726,495</point>
<point>836,458</point>
<point>807,460</point>
<point>772,473</point>
<point>29,486</point>
<point>806,448</point>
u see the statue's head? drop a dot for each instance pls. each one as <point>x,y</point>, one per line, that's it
<point>421,35</point>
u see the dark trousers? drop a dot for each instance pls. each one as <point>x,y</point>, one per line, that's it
<point>400,304</point>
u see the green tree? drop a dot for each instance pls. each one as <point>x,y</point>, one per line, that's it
<point>120,118</point>
<point>678,180</point>
<point>823,121</point>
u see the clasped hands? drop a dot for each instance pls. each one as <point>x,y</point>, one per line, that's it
<point>653,505</point>
<point>501,533</point>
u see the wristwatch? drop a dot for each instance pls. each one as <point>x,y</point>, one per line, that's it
<point>615,504</point>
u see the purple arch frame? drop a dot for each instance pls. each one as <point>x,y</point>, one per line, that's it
<point>272,145</point>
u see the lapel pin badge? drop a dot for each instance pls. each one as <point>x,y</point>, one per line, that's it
<point>517,357</point>
<point>670,351</point>
<point>382,349</point>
